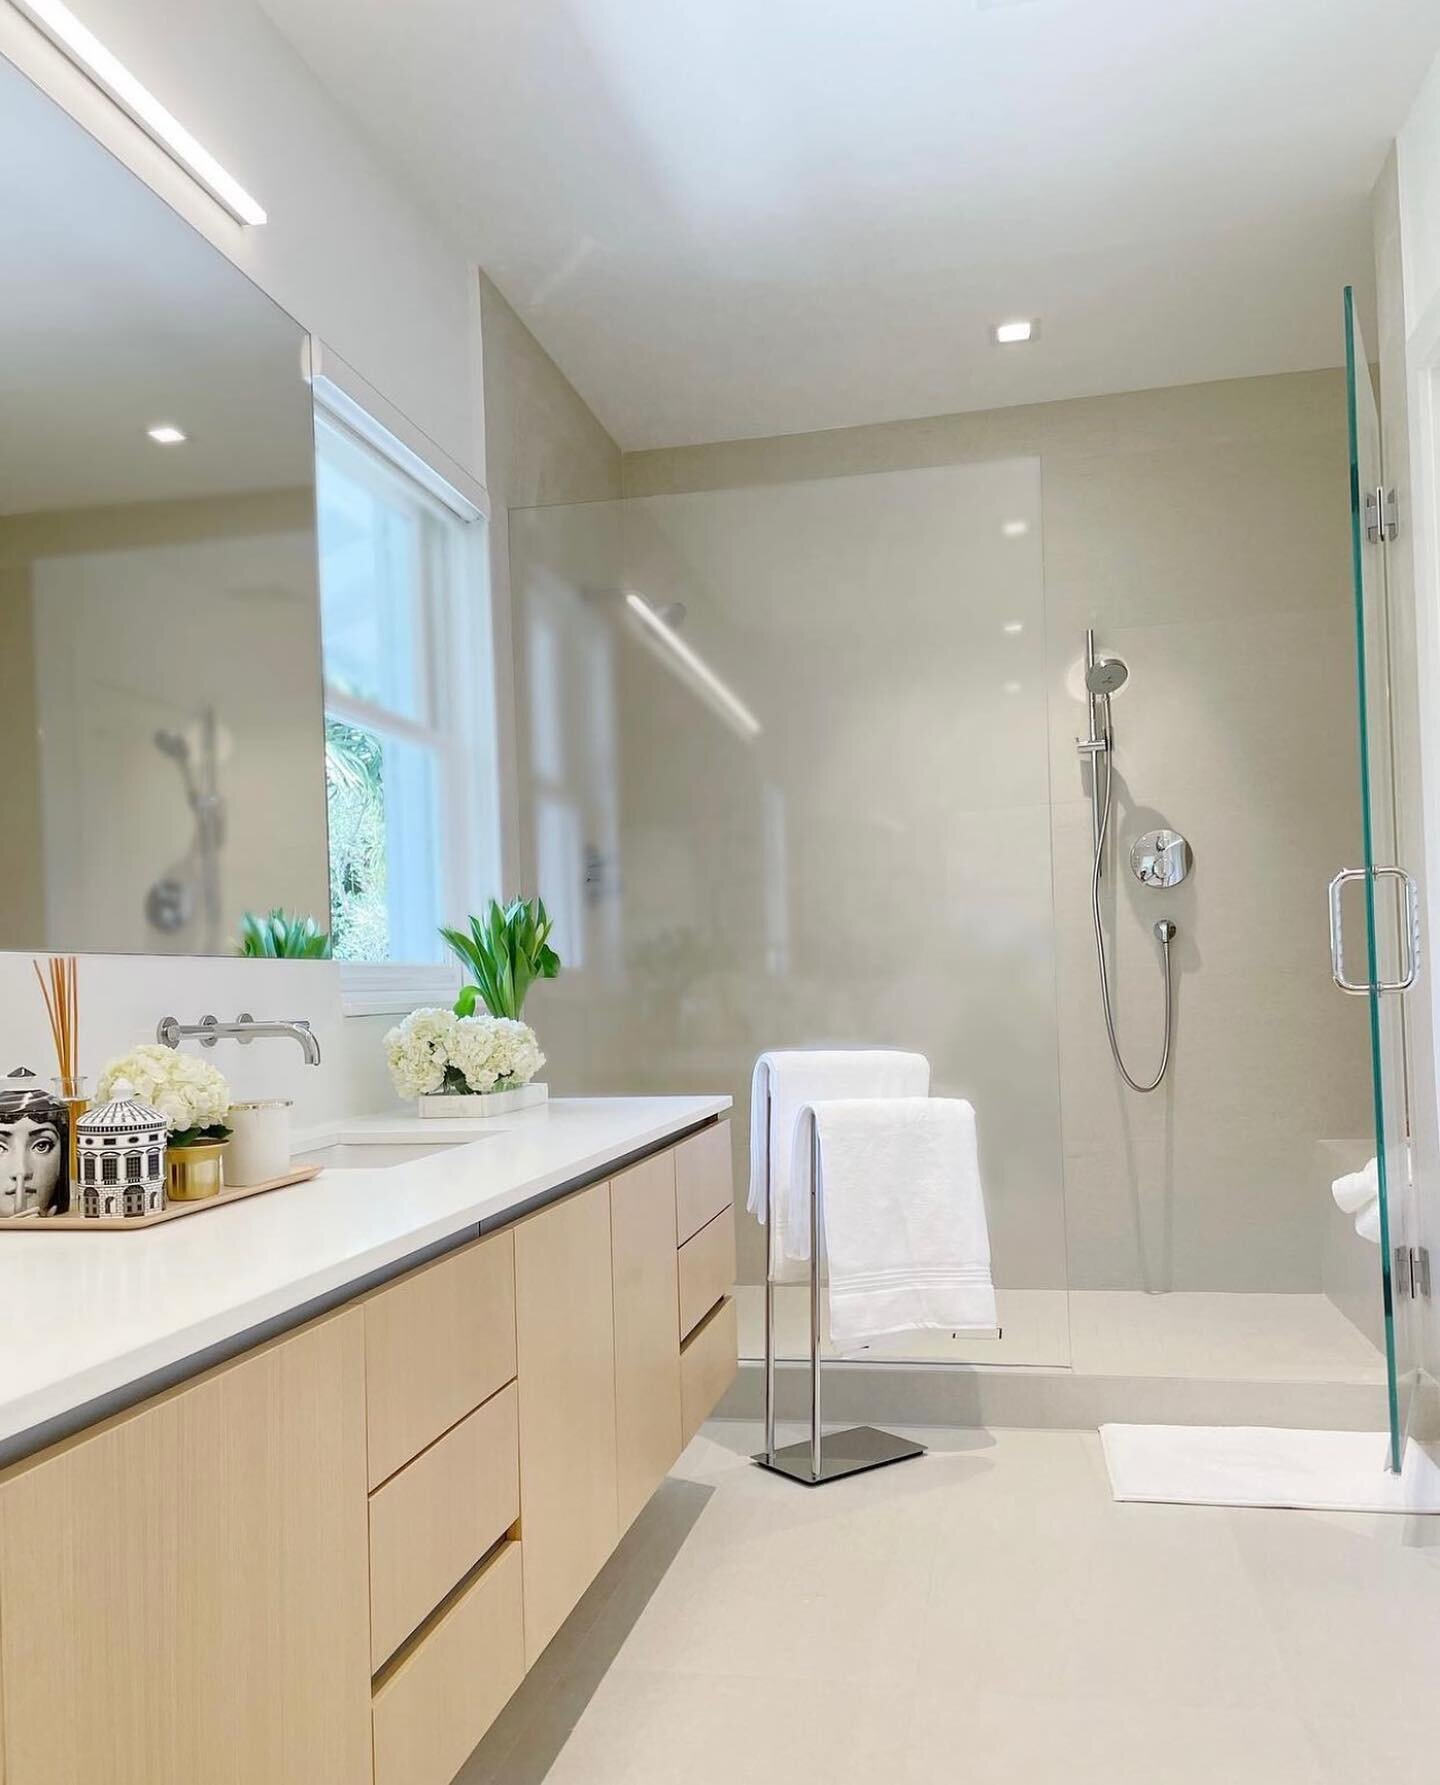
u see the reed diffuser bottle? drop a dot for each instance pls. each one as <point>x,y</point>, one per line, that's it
<point>60,988</point>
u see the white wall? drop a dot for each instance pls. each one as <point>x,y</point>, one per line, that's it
<point>350,254</point>
<point>1418,152</point>
<point>122,997</point>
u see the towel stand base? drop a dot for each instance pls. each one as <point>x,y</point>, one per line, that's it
<point>841,1454</point>
<point>820,1457</point>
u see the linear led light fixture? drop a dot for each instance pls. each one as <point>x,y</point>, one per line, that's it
<point>724,699</point>
<point>113,78</point>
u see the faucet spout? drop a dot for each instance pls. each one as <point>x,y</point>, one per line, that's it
<point>170,1032</point>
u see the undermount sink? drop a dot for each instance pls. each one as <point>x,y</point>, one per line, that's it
<point>350,1155</point>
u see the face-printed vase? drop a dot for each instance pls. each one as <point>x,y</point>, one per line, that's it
<point>34,1148</point>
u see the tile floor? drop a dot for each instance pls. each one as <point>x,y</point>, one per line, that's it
<point>1214,1336</point>
<point>987,1615</point>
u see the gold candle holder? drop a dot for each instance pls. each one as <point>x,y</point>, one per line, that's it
<point>193,1173</point>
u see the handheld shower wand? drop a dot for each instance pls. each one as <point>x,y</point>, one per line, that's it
<point>1105,676</point>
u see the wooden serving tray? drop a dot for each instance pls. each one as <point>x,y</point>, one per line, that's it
<point>299,1174</point>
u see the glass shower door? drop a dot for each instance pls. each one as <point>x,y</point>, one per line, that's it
<point>1391,944</point>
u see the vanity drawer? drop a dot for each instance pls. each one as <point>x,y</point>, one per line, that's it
<point>704,1180</point>
<point>449,1688</point>
<point>431,1523</point>
<point>708,1365</point>
<point>707,1270</point>
<point>437,1344</point>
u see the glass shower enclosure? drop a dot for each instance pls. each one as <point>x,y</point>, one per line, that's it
<point>787,778</point>
<point>1388,962</point>
<point>798,768</point>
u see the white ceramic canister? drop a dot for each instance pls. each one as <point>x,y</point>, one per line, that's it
<point>259,1148</point>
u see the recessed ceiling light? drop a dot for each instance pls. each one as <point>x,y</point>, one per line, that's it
<point>1015,529</point>
<point>1012,687</point>
<point>1014,626</point>
<point>165,433</point>
<point>1013,333</point>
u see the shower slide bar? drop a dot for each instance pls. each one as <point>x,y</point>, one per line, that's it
<point>821,1457</point>
<point>1337,932</point>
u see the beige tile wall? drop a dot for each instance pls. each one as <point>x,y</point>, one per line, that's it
<point>1204,532</point>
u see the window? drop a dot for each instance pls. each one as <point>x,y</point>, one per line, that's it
<point>409,718</point>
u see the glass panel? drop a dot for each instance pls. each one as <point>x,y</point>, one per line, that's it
<point>371,584</point>
<point>784,759</point>
<point>1385,947</point>
<point>384,883</point>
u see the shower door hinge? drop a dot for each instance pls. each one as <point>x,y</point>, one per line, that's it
<point>1382,515</point>
<point>1412,1271</point>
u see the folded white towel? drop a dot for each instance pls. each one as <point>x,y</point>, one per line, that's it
<point>904,1213</point>
<point>1357,1188</point>
<point>1367,1222</point>
<point>802,1076</point>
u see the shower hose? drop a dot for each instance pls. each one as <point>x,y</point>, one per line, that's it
<point>1163,932</point>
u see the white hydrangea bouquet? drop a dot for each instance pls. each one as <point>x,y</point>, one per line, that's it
<point>191,1095</point>
<point>464,1065</point>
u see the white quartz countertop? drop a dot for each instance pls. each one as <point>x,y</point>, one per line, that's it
<point>85,1316</point>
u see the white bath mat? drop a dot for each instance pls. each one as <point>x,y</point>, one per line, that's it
<point>1267,1466</point>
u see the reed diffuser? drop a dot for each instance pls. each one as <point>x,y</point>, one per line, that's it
<point>60,988</point>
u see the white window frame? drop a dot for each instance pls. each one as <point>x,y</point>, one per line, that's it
<point>460,664</point>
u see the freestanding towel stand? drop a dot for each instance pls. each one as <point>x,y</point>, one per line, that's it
<point>816,1459</point>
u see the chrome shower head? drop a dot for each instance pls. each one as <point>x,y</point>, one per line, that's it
<point>1107,675</point>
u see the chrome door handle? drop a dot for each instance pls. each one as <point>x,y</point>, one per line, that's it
<point>1412,932</point>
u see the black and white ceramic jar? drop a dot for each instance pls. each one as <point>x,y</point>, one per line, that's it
<point>121,1158</point>
<point>34,1148</point>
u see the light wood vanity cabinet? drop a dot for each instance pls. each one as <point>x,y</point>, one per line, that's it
<point>707,1270</point>
<point>445,1692</point>
<point>433,1521</point>
<point>437,1344</point>
<point>704,1179</point>
<point>647,1357</point>
<point>183,1591</point>
<point>707,1367</point>
<point>565,1350</point>
<point>331,1560</point>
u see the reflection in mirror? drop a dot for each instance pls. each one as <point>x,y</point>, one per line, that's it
<point>161,726</point>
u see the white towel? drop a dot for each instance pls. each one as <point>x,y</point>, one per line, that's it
<point>1357,1188</point>
<point>908,1244</point>
<point>800,1077</point>
<point>1358,1194</point>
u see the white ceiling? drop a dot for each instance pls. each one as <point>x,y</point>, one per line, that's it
<point>115,314</point>
<point>744,217</point>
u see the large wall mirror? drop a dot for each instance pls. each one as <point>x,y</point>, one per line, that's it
<point>161,716</point>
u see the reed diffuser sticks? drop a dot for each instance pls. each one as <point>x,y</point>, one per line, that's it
<point>60,988</point>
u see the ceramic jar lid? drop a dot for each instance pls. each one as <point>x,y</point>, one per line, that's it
<point>123,1114</point>
<point>21,1093</point>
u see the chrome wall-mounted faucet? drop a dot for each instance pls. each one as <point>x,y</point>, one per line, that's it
<point>170,1032</point>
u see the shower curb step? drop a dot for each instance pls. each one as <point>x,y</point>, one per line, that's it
<point>994,1395</point>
